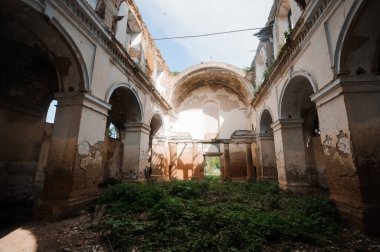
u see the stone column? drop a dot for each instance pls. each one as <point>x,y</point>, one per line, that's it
<point>250,174</point>
<point>198,161</point>
<point>136,151</point>
<point>74,164</point>
<point>349,117</point>
<point>159,162</point>
<point>173,160</point>
<point>290,153</point>
<point>267,156</point>
<point>227,171</point>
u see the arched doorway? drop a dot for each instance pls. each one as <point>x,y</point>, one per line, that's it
<point>126,136</point>
<point>301,155</point>
<point>28,84</point>
<point>265,141</point>
<point>37,62</point>
<point>352,144</point>
<point>158,149</point>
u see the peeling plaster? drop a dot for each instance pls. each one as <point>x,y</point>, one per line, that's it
<point>344,143</point>
<point>90,154</point>
<point>327,145</point>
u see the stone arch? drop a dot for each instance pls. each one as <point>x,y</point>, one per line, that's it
<point>265,142</point>
<point>122,154</point>
<point>39,59</point>
<point>222,74</point>
<point>30,28</point>
<point>300,122</point>
<point>266,119</point>
<point>343,34</point>
<point>126,104</point>
<point>132,90</point>
<point>158,161</point>
<point>303,86</point>
<point>157,123</point>
<point>357,65</point>
<point>358,48</point>
<point>79,58</point>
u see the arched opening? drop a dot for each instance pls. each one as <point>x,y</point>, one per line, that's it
<point>282,24</point>
<point>211,102</point>
<point>296,106</point>
<point>358,143</point>
<point>210,120</point>
<point>50,117</point>
<point>157,149</point>
<point>265,122</point>
<point>261,65</point>
<point>159,78</point>
<point>121,25</point>
<point>125,112</point>
<point>265,141</point>
<point>134,40</point>
<point>36,62</point>
<point>28,83</point>
<point>360,53</point>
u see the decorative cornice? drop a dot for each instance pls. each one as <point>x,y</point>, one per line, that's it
<point>83,99</point>
<point>304,27</point>
<point>86,17</point>
<point>286,123</point>
<point>358,84</point>
<point>137,127</point>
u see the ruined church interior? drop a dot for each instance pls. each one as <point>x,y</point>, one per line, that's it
<point>304,115</point>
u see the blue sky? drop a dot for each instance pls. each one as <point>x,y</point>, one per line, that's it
<point>168,18</point>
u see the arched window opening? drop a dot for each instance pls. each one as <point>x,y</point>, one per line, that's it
<point>262,71</point>
<point>93,3</point>
<point>121,23</point>
<point>134,33</point>
<point>290,22</point>
<point>211,119</point>
<point>50,117</point>
<point>159,76</point>
<point>282,25</point>
<point>113,131</point>
<point>265,123</point>
<point>296,105</point>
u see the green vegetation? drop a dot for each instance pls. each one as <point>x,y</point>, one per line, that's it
<point>287,35</point>
<point>268,70</point>
<point>175,73</point>
<point>212,166</point>
<point>212,216</point>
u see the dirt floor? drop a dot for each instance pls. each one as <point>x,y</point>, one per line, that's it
<point>67,235</point>
<point>75,234</point>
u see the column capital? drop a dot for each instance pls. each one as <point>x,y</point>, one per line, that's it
<point>82,99</point>
<point>356,84</point>
<point>264,136</point>
<point>140,127</point>
<point>286,123</point>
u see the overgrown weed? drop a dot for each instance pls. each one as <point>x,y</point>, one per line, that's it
<point>212,216</point>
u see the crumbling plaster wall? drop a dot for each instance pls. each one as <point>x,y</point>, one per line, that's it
<point>19,158</point>
<point>233,114</point>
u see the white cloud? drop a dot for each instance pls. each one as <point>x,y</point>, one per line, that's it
<point>189,17</point>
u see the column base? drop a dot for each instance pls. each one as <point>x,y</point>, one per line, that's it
<point>300,188</point>
<point>365,218</point>
<point>50,209</point>
<point>251,179</point>
<point>268,178</point>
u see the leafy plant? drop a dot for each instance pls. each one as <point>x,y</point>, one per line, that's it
<point>212,216</point>
<point>288,35</point>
